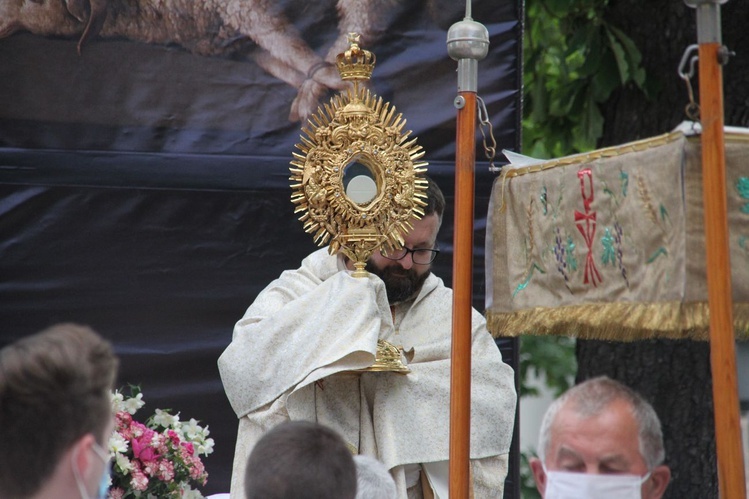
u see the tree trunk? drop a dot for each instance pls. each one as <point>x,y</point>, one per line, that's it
<point>674,375</point>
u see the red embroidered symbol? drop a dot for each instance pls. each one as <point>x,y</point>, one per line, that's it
<point>586,224</point>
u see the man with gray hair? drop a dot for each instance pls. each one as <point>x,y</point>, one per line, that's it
<point>600,439</point>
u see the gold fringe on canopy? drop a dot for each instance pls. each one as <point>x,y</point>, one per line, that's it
<point>610,244</point>
<point>618,321</point>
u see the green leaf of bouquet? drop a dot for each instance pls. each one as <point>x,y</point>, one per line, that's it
<point>134,390</point>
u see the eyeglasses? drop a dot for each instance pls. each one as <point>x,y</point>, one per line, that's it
<point>420,256</point>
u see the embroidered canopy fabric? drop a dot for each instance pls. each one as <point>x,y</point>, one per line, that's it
<point>610,244</point>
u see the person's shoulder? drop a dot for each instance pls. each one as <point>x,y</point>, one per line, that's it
<point>318,265</point>
<point>292,283</point>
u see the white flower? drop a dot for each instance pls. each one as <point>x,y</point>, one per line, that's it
<point>191,429</point>
<point>206,447</point>
<point>189,493</point>
<point>117,443</point>
<point>123,463</point>
<point>163,418</point>
<point>117,399</point>
<point>132,404</point>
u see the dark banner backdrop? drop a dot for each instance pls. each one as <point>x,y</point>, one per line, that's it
<point>144,187</point>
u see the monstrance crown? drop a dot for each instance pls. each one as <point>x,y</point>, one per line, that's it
<point>355,63</point>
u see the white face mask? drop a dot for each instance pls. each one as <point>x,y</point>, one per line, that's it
<point>105,478</point>
<point>566,485</point>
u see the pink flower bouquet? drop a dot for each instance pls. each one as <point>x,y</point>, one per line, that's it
<point>158,459</point>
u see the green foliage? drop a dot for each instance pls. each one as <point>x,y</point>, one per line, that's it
<point>573,61</point>
<point>550,358</point>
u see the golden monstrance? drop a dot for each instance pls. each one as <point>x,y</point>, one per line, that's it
<point>356,181</point>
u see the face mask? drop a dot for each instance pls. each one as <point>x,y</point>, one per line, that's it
<point>105,477</point>
<point>104,483</point>
<point>566,485</point>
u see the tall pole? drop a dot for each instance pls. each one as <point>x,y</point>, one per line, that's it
<point>722,343</point>
<point>467,43</point>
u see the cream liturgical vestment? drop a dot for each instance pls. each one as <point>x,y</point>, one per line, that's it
<point>292,357</point>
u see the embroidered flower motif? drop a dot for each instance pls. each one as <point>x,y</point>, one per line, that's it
<point>742,186</point>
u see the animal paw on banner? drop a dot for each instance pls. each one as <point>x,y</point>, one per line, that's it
<point>611,244</point>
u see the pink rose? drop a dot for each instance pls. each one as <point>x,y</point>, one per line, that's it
<point>142,447</point>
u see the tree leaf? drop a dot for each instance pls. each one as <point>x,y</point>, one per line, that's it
<point>591,127</point>
<point>619,55</point>
<point>605,81</point>
<point>593,56</point>
<point>633,54</point>
<point>539,101</point>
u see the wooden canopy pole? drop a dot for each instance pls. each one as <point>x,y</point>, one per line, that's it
<point>722,343</point>
<point>460,375</point>
<point>467,42</point>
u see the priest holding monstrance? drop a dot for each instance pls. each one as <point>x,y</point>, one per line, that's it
<point>358,338</point>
